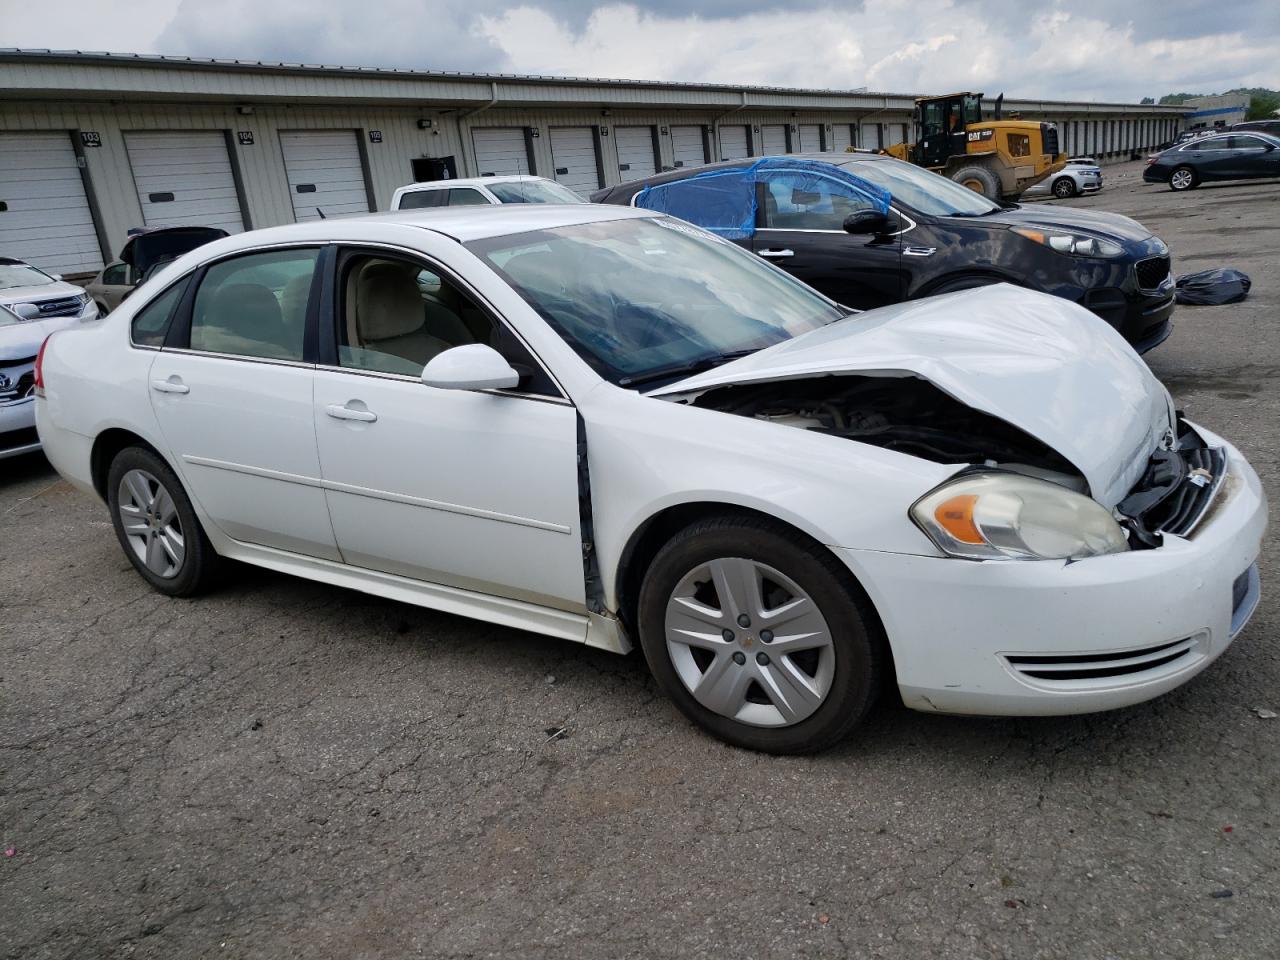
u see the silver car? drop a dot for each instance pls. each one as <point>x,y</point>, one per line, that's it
<point>112,284</point>
<point>1081,175</point>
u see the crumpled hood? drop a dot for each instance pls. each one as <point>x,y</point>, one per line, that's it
<point>1098,222</point>
<point>1041,363</point>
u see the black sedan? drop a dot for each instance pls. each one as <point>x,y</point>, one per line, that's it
<point>1223,156</point>
<point>812,219</point>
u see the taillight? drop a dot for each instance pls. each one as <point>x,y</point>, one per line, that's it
<point>39,371</point>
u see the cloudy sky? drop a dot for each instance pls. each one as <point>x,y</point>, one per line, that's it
<point>1070,49</point>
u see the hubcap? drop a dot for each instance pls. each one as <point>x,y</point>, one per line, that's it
<point>775,671</point>
<point>151,525</point>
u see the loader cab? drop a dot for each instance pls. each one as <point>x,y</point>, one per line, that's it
<point>942,122</point>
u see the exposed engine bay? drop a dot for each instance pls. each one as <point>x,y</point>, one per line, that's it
<point>1175,491</point>
<point>905,414</point>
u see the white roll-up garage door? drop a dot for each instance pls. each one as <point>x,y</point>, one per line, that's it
<point>841,137</point>
<point>635,152</point>
<point>687,147</point>
<point>774,139</point>
<point>870,136</point>
<point>44,214</point>
<point>573,151</point>
<point>810,138</point>
<point>185,179</point>
<point>500,151</point>
<point>734,144</point>
<point>325,171</point>
<point>895,133</point>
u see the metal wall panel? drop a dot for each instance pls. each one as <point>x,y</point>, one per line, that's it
<point>326,173</point>
<point>637,158</point>
<point>184,179</point>
<point>499,152</point>
<point>735,142</point>
<point>46,219</point>
<point>577,165</point>
<point>773,136</point>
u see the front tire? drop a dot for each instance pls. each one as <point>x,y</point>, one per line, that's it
<point>979,180</point>
<point>1183,178</point>
<point>157,526</point>
<point>1064,188</point>
<point>760,636</point>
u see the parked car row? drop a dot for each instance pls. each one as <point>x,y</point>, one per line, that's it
<point>1216,156</point>
<point>868,230</point>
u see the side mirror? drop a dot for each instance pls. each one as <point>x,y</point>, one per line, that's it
<point>473,366</point>
<point>867,221</point>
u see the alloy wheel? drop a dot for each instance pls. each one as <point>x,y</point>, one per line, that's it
<point>1181,179</point>
<point>749,643</point>
<point>1064,189</point>
<point>151,525</point>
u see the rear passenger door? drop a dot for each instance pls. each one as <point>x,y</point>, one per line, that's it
<point>800,227</point>
<point>472,490</point>
<point>231,388</point>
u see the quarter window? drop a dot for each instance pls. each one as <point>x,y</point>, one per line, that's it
<point>466,198</point>
<point>803,201</point>
<point>418,199</point>
<point>255,305</point>
<point>151,323</point>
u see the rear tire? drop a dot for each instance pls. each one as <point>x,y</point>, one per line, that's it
<point>799,691</point>
<point>156,525</point>
<point>1183,178</point>
<point>979,180</point>
<point>1064,188</point>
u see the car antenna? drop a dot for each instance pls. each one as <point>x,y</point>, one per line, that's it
<point>321,212</point>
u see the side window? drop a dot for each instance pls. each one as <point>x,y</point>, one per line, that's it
<point>803,201</point>
<point>255,305</point>
<point>417,199</point>
<point>151,323</point>
<point>396,314</point>
<point>115,274</point>
<point>466,198</point>
<point>1246,143</point>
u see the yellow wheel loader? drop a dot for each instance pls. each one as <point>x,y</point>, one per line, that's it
<point>997,158</point>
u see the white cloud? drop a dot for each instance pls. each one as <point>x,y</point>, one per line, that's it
<point>1061,49</point>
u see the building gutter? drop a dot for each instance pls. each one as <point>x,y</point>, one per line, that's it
<point>493,98</point>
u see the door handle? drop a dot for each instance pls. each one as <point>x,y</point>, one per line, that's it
<point>776,254</point>
<point>340,412</point>
<point>173,385</point>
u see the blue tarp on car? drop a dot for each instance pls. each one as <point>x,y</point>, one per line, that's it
<point>723,201</point>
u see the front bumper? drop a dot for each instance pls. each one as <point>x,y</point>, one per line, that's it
<point>18,428</point>
<point>1050,638</point>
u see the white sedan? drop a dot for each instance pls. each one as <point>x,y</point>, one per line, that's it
<point>605,425</point>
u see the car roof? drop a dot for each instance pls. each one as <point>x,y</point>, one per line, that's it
<point>459,223</point>
<point>633,187</point>
<point>472,182</point>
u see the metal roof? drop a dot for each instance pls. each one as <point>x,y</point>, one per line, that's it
<point>162,62</point>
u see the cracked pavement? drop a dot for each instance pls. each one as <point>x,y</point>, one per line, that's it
<point>283,769</point>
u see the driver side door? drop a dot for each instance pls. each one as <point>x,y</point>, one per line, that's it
<point>474,490</point>
<point>800,227</point>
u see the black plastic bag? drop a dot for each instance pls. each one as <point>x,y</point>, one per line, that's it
<point>1212,287</point>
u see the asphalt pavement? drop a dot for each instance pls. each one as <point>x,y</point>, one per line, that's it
<point>283,769</point>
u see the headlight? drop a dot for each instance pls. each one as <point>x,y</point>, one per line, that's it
<point>1072,243</point>
<point>1004,516</point>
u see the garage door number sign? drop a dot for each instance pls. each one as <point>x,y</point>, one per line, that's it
<point>90,138</point>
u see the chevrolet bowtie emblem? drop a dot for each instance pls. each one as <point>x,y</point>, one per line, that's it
<point>1200,477</point>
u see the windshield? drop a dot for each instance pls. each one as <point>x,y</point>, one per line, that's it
<point>642,299</point>
<point>22,275</point>
<point>533,191</point>
<point>930,193</point>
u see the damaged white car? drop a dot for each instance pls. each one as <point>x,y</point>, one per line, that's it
<point>605,425</point>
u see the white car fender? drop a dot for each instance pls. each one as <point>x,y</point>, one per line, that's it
<point>837,491</point>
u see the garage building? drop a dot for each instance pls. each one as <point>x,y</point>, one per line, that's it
<point>93,145</point>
